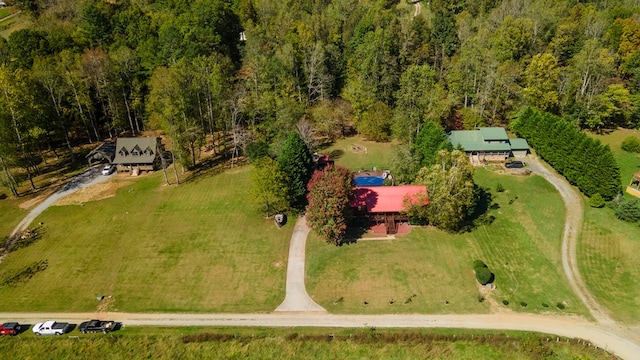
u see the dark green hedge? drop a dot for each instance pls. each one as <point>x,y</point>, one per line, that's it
<point>584,161</point>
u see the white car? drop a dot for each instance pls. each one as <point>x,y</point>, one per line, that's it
<point>108,170</point>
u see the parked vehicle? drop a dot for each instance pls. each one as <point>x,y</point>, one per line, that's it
<point>10,328</point>
<point>514,164</point>
<point>108,170</point>
<point>51,328</point>
<point>93,326</point>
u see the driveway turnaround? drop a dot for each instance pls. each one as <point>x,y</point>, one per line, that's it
<point>297,299</point>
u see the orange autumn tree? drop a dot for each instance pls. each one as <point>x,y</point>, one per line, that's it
<point>330,193</point>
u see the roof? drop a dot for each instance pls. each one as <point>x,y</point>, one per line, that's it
<point>486,139</point>
<point>381,199</point>
<point>472,140</point>
<point>493,133</point>
<point>519,144</point>
<point>140,150</point>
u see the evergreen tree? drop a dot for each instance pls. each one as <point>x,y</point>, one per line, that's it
<point>297,163</point>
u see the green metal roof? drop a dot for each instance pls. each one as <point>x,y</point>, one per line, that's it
<point>493,133</point>
<point>472,140</point>
<point>519,144</point>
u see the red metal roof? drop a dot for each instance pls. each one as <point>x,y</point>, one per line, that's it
<point>380,199</point>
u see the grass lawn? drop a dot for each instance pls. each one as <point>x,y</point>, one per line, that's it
<point>299,343</point>
<point>609,250</point>
<point>10,214</point>
<point>16,23</point>
<point>629,162</point>
<point>197,247</point>
<point>522,248</point>
<point>609,260</point>
<point>356,153</point>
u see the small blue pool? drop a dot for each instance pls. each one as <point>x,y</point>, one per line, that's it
<point>369,180</point>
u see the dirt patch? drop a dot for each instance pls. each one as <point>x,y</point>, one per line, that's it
<point>107,304</point>
<point>28,204</point>
<point>94,193</point>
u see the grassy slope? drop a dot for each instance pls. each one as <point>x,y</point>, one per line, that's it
<point>609,251</point>
<point>196,247</point>
<point>522,247</point>
<point>10,215</point>
<point>299,343</point>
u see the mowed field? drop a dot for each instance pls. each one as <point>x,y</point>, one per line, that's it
<point>430,271</point>
<point>197,247</point>
<point>358,154</point>
<point>609,249</point>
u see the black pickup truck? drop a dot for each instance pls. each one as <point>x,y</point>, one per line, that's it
<point>93,326</point>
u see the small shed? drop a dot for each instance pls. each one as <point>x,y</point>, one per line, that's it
<point>634,185</point>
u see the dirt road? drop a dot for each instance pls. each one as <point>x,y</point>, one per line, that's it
<point>573,224</point>
<point>570,327</point>
<point>90,177</point>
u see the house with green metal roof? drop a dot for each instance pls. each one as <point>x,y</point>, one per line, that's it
<point>488,144</point>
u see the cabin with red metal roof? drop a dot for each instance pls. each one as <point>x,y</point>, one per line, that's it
<point>387,204</point>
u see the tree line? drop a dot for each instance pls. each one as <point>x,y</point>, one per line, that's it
<point>86,70</point>
<point>584,161</point>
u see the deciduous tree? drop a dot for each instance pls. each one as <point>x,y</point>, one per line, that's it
<point>450,187</point>
<point>330,194</point>
<point>269,186</point>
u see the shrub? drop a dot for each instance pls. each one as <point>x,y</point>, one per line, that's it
<point>545,305</point>
<point>628,210</point>
<point>560,305</point>
<point>505,302</point>
<point>478,264</point>
<point>484,275</point>
<point>480,298</point>
<point>631,144</point>
<point>596,201</point>
<point>257,150</point>
<point>499,188</point>
<point>523,304</point>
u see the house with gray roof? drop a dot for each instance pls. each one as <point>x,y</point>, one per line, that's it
<point>488,144</point>
<point>137,154</point>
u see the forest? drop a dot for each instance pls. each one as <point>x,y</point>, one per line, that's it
<point>225,74</point>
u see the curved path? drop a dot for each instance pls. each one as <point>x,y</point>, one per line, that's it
<point>297,299</point>
<point>573,223</point>
<point>569,327</point>
<point>89,177</point>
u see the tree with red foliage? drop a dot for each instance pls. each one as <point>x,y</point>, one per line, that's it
<point>330,193</point>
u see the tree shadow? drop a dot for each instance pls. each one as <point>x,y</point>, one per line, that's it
<point>336,154</point>
<point>480,212</point>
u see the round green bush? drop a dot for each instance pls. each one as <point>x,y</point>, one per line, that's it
<point>596,201</point>
<point>523,304</point>
<point>631,144</point>
<point>560,305</point>
<point>478,264</point>
<point>505,302</point>
<point>484,275</point>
